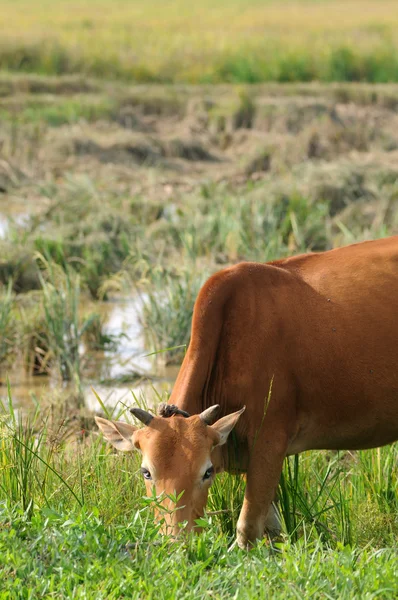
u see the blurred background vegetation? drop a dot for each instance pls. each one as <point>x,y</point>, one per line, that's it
<point>245,41</point>
<point>122,188</point>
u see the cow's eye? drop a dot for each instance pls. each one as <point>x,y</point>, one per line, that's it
<point>146,473</point>
<point>208,473</point>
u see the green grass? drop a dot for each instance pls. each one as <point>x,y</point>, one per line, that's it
<point>7,330</point>
<point>52,325</point>
<point>55,114</point>
<point>290,178</point>
<point>82,557</point>
<point>74,523</point>
<point>167,306</point>
<point>61,293</point>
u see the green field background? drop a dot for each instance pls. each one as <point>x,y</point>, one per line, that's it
<point>114,189</point>
<point>209,41</point>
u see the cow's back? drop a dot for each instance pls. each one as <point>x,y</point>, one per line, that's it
<point>346,362</point>
<point>321,329</point>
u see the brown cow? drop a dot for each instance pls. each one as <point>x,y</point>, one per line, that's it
<point>318,330</point>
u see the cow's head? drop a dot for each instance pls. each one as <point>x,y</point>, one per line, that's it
<point>177,457</point>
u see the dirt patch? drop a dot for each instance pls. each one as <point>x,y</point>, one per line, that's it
<point>342,186</point>
<point>141,153</point>
<point>10,176</point>
<point>148,150</point>
<point>36,84</point>
<point>259,163</point>
<point>188,149</point>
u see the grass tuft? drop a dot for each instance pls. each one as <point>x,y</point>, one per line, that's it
<point>7,328</point>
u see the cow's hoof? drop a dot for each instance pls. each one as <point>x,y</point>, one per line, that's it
<point>246,538</point>
<point>243,542</point>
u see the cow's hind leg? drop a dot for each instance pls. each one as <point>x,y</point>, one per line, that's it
<point>273,524</point>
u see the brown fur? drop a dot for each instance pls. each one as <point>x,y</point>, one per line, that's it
<point>176,453</point>
<point>310,345</point>
<point>322,331</point>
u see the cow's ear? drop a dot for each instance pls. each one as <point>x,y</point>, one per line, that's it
<point>225,425</point>
<point>119,434</point>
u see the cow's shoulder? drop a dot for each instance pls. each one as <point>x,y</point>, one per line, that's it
<point>240,279</point>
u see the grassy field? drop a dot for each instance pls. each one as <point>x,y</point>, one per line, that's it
<point>108,189</point>
<point>73,524</point>
<point>234,41</point>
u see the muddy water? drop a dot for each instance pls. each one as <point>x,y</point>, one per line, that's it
<point>145,376</point>
<point>152,378</point>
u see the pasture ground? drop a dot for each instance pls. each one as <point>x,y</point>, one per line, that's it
<point>105,188</point>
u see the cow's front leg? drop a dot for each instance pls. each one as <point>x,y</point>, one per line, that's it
<point>263,475</point>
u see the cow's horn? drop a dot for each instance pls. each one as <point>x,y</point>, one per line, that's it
<point>142,415</point>
<point>210,414</point>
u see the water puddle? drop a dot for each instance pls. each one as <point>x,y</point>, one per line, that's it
<point>113,374</point>
<point>116,376</point>
<point>11,214</point>
<point>4,222</point>
<point>122,318</point>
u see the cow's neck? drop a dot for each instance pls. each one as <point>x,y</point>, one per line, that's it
<point>195,390</point>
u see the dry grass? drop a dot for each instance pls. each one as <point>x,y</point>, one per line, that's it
<point>115,180</point>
